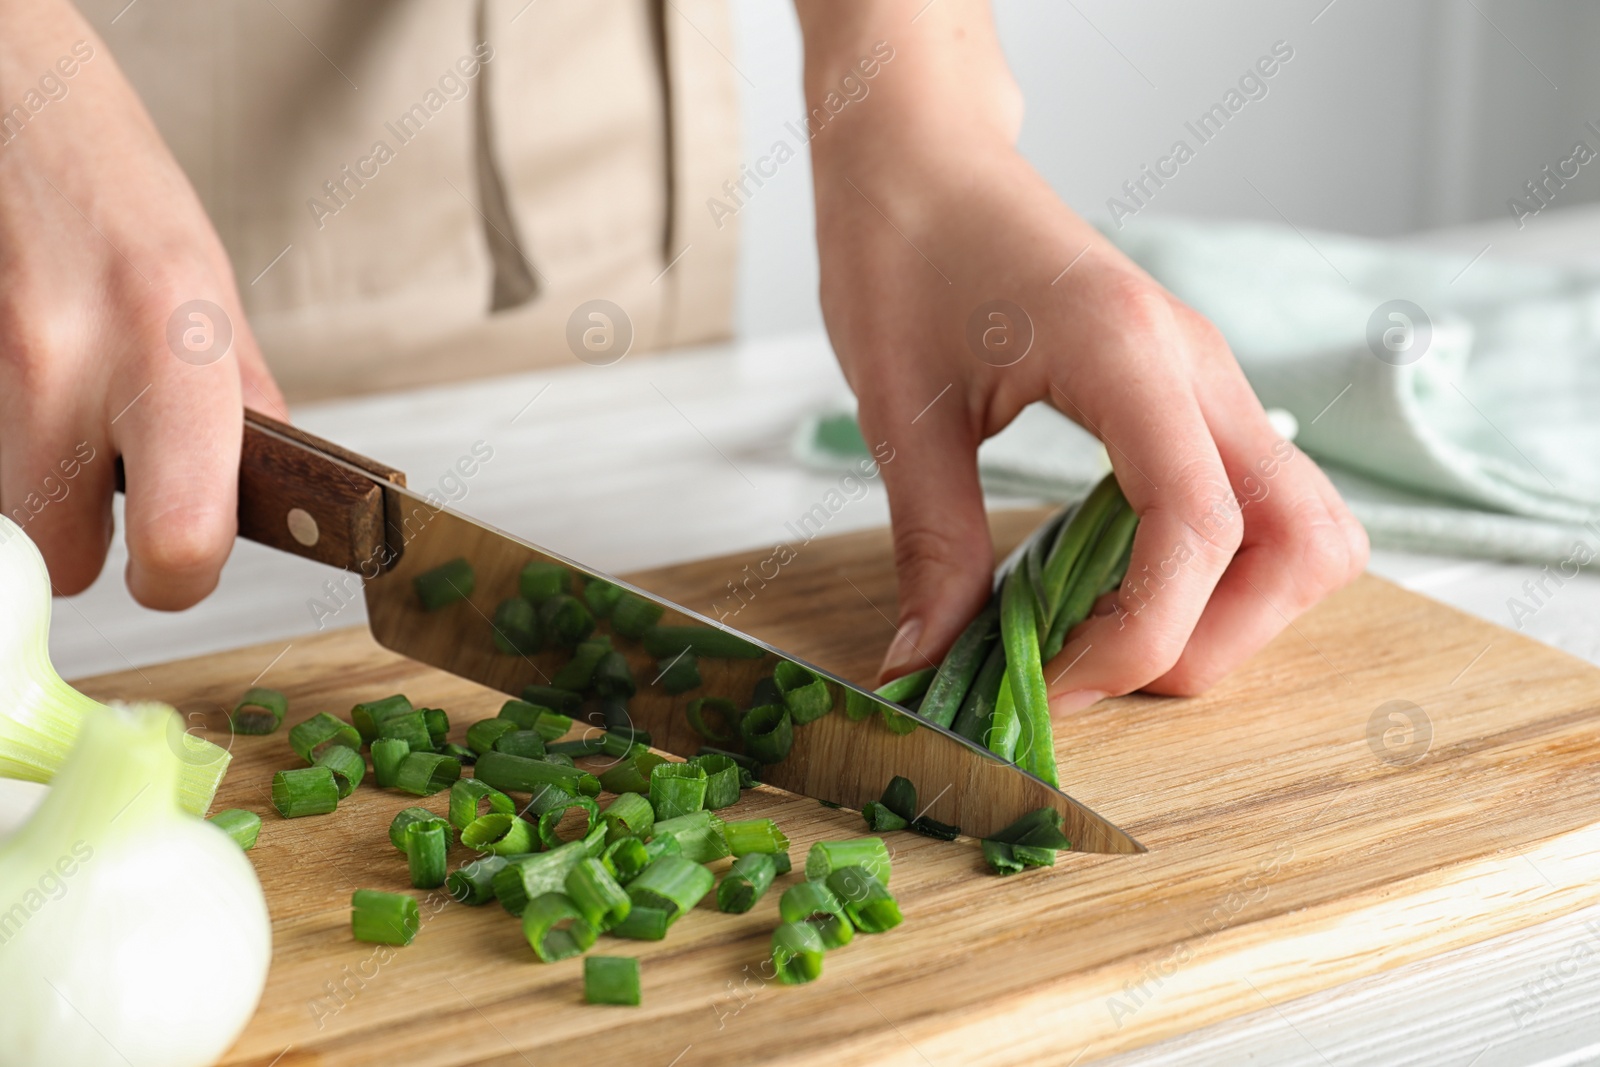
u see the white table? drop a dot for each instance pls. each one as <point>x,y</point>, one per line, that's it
<point>658,460</point>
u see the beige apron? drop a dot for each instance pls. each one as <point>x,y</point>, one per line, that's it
<point>415,191</point>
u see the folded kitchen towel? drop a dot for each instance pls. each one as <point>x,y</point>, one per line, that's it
<point>1453,404</point>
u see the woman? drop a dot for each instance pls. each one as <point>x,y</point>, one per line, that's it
<point>446,242</point>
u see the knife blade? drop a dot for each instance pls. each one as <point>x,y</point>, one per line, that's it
<point>310,497</point>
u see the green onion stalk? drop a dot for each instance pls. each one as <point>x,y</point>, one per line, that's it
<point>41,716</point>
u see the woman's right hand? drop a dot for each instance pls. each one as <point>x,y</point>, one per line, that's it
<point>117,305</point>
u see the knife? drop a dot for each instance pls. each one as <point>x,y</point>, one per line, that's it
<point>306,496</point>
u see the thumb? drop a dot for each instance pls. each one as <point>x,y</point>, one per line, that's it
<point>942,552</point>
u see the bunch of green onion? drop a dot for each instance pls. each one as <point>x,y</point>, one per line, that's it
<point>991,688</point>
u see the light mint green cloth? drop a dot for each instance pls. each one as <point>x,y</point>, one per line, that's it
<point>1487,445</point>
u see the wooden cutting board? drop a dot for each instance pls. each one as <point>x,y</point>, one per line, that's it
<point>1304,830</point>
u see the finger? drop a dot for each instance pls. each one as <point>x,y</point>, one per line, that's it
<point>1168,467</point>
<point>258,388</point>
<point>179,436</point>
<point>55,483</point>
<point>1299,542</point>
<point>943,554</point>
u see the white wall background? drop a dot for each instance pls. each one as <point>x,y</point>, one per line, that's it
<point>1393,116</point>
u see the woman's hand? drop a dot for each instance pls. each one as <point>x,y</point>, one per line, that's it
<point>116,306</point>
<point>926,215</point>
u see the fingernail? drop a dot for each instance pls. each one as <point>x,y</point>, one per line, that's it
<point>902,656</point>
<point>1076,700</point>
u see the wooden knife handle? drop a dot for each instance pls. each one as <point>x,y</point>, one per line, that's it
<point>309,497</point>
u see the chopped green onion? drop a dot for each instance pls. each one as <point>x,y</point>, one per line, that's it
<point>555,929</point>
<point>611,980</point>
<point>707,642</point>
<point>632,775</point>
<point>526,877</point>
<point>898,721</point>
<point>746,881</point>
<point>626,857</point>
<point>406,819</point>
<point>427,844</point>
<point>869,905</point>
<point>582,746</point>
<point>754,835</point>
<point>546,723</point>
<point>559,758</point>
<point>601,596</point>
<point>1034,856</point>
<point>613,677</point>
<point>306,791</point>
<point>749,768</point>
<point>577,674</point>
<point>826,857</point>
<point>1009,859</point>
<point>410,727</point>
<point>564,621</point>
<point>768,733</point>
<point>644,924</point>
<point>426,773</point>
<point>678,674</point>
<point>677,789</point>
<point>815,903</point>
<point>482,734</point>
<point>318,732</point>
<point>662,845</point>
<point>500,833</point>
<point>699,708</point>
<point>387,755</point>
<point>999,856</point>
<point>881,820</point>
<point>539,581</point>
<point>438,724</point>
<point>444,584</point>
<point>460,753</point>
<point>699,835</point>
<point>465,796</point>
<point>518,774</point>
<point>474,883</point>
<point>797,952</point>
<point>526,743</point>
<point>549,698</point>
<point>632,615</point>
<point>673,883</point>
<point>384,918</point>
<point>723,777</point>
<point>927,827</point>
<point>599,899</point>
<point>552,805</point>
<point>347,765</point>
<point>614,713</point>
<point>243,826</point>
<point>624,742</point>
<point>900,797</point>
<point>807,696</point>
<point>367,716</point>
<point>516,627</point>
<point>259,711</point>
<point>629,814</point>
<point>1041,828</point>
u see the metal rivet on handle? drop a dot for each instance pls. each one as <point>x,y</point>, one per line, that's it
<point>302,527</point>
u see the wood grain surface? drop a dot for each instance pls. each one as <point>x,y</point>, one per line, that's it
<point>1388,779</point>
